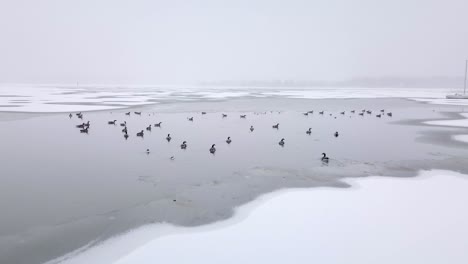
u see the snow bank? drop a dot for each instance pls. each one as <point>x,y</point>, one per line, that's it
<point>383,220</point>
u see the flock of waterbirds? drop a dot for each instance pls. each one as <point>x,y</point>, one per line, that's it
<point>84,127</point>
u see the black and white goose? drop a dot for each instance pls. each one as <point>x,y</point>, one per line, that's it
<point>251,128</point>
<point>140,134</point>
<point>324,157</point>
<point>190,119</point>
<point>308,132</point>
<point>281,143</point>
<point>112,122</point>
<point>243,116</point>
<point>158,124</point>
<point>336,134</point>
<point>123,124</point>
<point>213,149</point>
<point>168,138</point>
<point>184,145</point>
<point>228,140</point>
<point>137,113</point>
<point>276,126</point>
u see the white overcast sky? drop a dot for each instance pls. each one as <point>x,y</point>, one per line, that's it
<point>181,42</point>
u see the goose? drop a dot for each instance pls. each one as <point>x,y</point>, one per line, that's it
<point>353,111</point>
<point>276,126</point>
<point>123,124</point>
<point>383,110</point>
<point>213,149</point>
<point>228,140</point>
<point>364,110</point>
<point>81,125</point>
<point>251,128</point>
<point>126,136</point>
<point>140,134</point>
<point>128,113</point>
<point>112,122</point>
<point>369,112</point>
<point>321,112</point>
<point>125,130</point>
<point>281,143</point>
<point>184,145</point>
<point>390,114</point>
<point>78,114</point>
<point>379,116</point>
<point>137,113</point>
<point>84,130</point>
<point>158,124</point>
<point>361,114</point>
<point>336,134</point>
<point>147,151</point>
<point>310,112</point>
<point>224,115</point>
<point>306,114</point>
<point>324,157</point>
<point>342,113</point>
<point>243,116</point>
<point>168,138</point>
<point>172,158</point>
<point>203,113</point>
<point>148,128</point>
<point>70,115</point>
<point>190,119</point>
<point>308,132</point>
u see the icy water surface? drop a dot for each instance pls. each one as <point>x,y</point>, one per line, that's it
<point>63,190</point>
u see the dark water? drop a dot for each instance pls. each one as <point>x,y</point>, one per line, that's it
<point>60,189</point>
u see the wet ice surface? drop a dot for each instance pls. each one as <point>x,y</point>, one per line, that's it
<point>56,98</point>
<point>379,220</point>
<point>82,188</point>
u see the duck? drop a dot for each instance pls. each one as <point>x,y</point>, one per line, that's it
<point>308,132</point>
<point>148,128</point>
<point>190,119</point>
<point>324,157</point>
<point>140,134</point>
<point>281,143</point>
<point>168,138</point>
<point>228,140</point>
<point>112,122</point>
<point>184,145</point>
<point>243,116</point>
<point>336,134</point>
<point>390,114</point>
<point>213,149</point>
<point>137,113</point>
<point>276,126</point>
<point>158,124</point>
<point>251,128</point>
<point>128,113</point>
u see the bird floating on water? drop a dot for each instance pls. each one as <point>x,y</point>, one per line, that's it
<point>324,157</point>
<point>228,140</point>
<point>213,149</point>
<point>184,145</point>
<point>281,143</point>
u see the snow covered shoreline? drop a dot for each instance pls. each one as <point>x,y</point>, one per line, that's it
<point>414,220</point>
